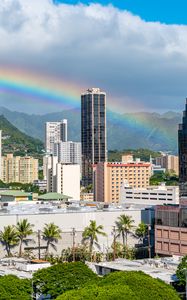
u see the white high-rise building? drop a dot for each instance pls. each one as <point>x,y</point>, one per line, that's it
<point>49,171</point>
<point>68,180</point>
<point>55,132</point>
<point>62,178</point>
<point>68,152</point>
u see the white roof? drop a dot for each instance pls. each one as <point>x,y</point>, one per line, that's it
<point>163,269</point>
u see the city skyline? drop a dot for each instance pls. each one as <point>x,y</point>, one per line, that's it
<point>140,54</point>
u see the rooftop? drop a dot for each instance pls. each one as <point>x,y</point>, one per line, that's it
<point>14,193</point>
<point>49,207</point>
<point>162,268</point>
<point>53,196</point>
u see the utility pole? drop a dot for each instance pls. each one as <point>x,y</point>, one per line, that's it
<point>39,238</point>
<point>114,243</point>
<point>73,248</point>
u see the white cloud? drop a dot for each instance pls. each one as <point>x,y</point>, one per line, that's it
<point>99,46</point>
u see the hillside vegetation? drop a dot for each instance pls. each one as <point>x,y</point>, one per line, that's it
<point>143,154</point>
<point>17,142</point>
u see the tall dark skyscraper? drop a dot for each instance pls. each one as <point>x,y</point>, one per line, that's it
<point>93,131</point>
<point>182,142</point>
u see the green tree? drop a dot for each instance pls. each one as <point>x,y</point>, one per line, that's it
<point>62,277</point>
<point>141,231</point>
<point>9,238</point>
<point>13,288</point>
<point>24,229</point>
<point>51,234</point>
<point>142,285</point>
<point>94,292</point>
<point>123,286</point>
<point>181,271</point>
<point>124,227</point>
<point>91,233</point>
<point>170,178</point>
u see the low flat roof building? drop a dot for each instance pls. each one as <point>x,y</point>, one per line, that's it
<point>14,196</point>
<point>54,197</point>
<point>20,267</point>
<point>152,195</point>
<point>164,268</point>
<point>73,216</point>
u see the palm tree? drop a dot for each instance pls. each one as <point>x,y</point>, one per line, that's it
<point>51,234</point>
<point>24,229</point>
<point>9,238</point>
<point>91,233</point>
<point>124,227</point>
<point>141,231</point>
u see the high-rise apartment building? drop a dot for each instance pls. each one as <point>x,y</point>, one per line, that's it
<point>182,144</point>
<point>109,178</point>
<point>93,132</point>
<point>55,132</point>
<point>68,152</point>
<point>19,169</point>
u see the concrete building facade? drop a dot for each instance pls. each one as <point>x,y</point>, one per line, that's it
<point>55,132</point>
<point>68,180</point>
<point>93,132</point>
<point>68,152</point>
<point>109,177</point>
<point>62,178</point>
<point>19,169</point>
<point>66,219</point>
<point>152,195</point>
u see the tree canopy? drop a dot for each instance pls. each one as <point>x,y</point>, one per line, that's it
<point>60,278</point>
<point>170,178</point>
<point>13,288</point>
<point>181,270</point>
<point>108,292</point>
<point>124,286</point>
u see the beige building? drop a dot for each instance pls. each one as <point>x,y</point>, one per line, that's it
<point>169,162</point>
<point>87,197</point>
<point>109,177</point>
<point>19,169</point>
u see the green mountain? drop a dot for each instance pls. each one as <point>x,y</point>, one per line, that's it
<point>153,131</point>
<point>17,142</point>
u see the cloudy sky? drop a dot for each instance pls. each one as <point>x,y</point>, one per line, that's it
<point>135,51</point>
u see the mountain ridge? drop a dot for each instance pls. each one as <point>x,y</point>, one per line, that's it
<point>130,130</point>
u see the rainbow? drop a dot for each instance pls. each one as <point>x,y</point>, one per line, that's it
<point>50,90</point>
<point>39,88</point>
<point>140,123</point>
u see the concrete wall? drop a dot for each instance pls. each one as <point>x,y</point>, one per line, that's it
<point>79,220</point>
